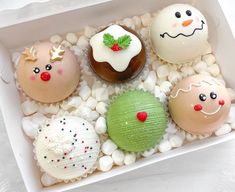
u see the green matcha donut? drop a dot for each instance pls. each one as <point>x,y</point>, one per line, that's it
<point>136,121</point>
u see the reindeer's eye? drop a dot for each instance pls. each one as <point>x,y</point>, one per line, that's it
<point>213,95</point>
<point>48,67</point>
<point>36,70</point>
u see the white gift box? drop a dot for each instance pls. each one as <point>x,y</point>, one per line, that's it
<point>38,21</point>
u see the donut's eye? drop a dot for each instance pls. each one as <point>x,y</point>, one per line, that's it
<point>48,67</point>
<point>177,14</point>
<point>213,95</point>
<point>36,70</point>
<point>188,12</point>
<point>202,97</point>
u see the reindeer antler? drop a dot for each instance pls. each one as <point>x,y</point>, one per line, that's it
<point>56,54</point>
<point>30,54</point>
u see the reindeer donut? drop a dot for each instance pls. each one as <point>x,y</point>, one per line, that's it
<point>47,72</point>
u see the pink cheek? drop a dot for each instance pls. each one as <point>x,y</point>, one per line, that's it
<point>175,24</point>
<point>33,77</point>
<point>60,71</point>
<point>197,19</point>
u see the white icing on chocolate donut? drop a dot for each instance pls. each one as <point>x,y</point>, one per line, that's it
<point>118,60</point>
<point>67,148</point>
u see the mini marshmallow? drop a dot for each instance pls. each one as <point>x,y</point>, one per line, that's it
<point>84,92</point>
<point>118,157</point>
<point>77,51</point>
<point>96,85</point>
<point>164,146</point>
<point>176,141</point>
<point>72,38</point>
<point>231,116</point>
<point>105,163</point>
<point>49,109</point>
<point>89,31</point>
<point>82,42</point>
<point>48,180</point>
<point>146,19</point>
<point>93,116</point>
<point>224,129</point>
<point>148,153</point>
<point>15,58</point>
<point>190,137</point>
<point>165,87</point>
<point>30,128</point>
<point>174,76</point>
<point>108,147</point>
<point>100,125</point>
<point>163,71</point>
<point>233,125</point>
<point>39,118</point>
<point>137,21</point>
<point>209,59</point>
<point>214,70</point>
<point>101,94</point>
<point>181,133</point>
<point>111,90</point>
<point>74,102</point>
<point>85,112</point>
<point>200,66</point>
<point>91,102</point>
<point>101,108</point>
<point>159,94</point>
<point>57,39</point>
<point>29,107</point>
<point>66,44</point>
<point>144,33</point>
<point>187,71</point>
<point>171,128</point>
<point>129,23</point>
<point>150,81</point>
<point>130,158</point>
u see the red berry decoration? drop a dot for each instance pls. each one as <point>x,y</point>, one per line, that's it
<point>115,47</point>
<point>116,44</point>
<point>142,116</point>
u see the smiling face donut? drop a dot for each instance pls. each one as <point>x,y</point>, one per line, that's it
<point>179,33</point>
<point>47,72</point>
<point>199,104</point>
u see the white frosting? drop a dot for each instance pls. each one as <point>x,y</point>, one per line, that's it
<point>179,40</point>
<point>119,60</point>
<point>68,148</point>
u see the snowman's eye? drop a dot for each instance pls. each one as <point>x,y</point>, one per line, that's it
<point>36,70</point>
<point>188,12</point>
<point>177,14</point>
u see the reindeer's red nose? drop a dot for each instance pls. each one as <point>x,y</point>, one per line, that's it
<point>45,76</point>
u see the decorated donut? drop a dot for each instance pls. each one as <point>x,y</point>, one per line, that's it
<point>199,104</point>
<point>179,33</point>
<point>136,121</point>
<point>117,54</point>
<point>47,72</point>
<point>67,148</point>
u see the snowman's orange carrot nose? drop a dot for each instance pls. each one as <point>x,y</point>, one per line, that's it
<point>187,22</point>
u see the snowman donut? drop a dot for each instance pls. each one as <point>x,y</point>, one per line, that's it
<point>179,33</point>
<point>67,148</point>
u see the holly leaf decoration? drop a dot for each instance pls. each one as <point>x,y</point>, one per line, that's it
<point>108,40</point>
<point>116,45</point>
<point>124,41</point>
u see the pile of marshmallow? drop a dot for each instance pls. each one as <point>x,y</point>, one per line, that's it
<point>92,99</point>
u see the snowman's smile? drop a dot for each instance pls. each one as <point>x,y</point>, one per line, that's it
<point>196,29</point>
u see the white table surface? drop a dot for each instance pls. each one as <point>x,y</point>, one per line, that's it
<point>208,170</point>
